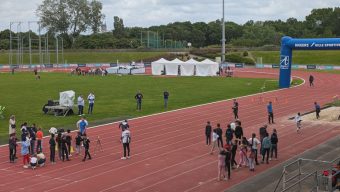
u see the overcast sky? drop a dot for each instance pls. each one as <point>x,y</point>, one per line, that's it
<point>146,13</point>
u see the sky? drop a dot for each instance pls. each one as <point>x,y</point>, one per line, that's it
<point>145,13</point>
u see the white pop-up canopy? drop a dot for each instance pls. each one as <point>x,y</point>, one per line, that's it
<point>207,68</point>
<point>188,67</point>
<point>66,98</point>
<point>158,66</point>
<point>171,68</point>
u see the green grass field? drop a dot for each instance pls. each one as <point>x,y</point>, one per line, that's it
<point>89,57</point>
<point>24,96</point>
<point>301,57</point>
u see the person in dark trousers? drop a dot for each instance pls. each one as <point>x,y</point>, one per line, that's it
<point>64,150</point>
<point>166,98</point>
<point>317,110</point>
<point>229,134</point>
<point>228,161</point>
<point>235,109</point>
<point>219,132</point>
<point>254,142</point>
<point>59,144</point>
<point>69,142</point>
<point>238,131</point>
<point>262,133</point>
<point>52,149</point>
<point>274,140</point>
<point>32,131</point>
<point>270,113</point>
<point>12,145</point>
<point>139,97</point>
<point>126,139</point>
<point>123,125</point>
<point>311,81</point>
<point>86,143</point>
<point>233,154</point>
<point>208,133</point>
<point>265,145</point>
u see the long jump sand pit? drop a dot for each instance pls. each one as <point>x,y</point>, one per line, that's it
<point>329,115</point>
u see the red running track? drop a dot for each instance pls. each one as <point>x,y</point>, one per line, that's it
<point>169,151</point>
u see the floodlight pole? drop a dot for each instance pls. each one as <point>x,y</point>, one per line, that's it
<point>223,35</point>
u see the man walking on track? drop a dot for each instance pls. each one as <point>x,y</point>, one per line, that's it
<point>139,97</point>
<point>311,81</point>
<point>317,110</point>
<point>219,132</point>
<point>270,113</point>
<point>126,139</point>
<point>208,133</point>
<point>235,109</point>
<point>166,98</point>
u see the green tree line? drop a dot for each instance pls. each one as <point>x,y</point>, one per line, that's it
<point>323,22</point>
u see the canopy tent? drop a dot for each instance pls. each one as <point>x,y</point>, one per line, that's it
<point>66,98</point>
<point>188,67</point>
<point>207,68</point>
<point>158,66</point>
<point>171,68</point>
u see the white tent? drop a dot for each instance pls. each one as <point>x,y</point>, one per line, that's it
<point>207,68</point>
<point>188,67</point>
<point>158,66</point>
<point>171,68</point>
<point>66,98</point>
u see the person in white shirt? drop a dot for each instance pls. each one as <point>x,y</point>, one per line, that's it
<point>298,122</point>
<point>214,140</point>
<point>53,130</point>
<point>254,142</point>
<point>12,125</point>
<point>126,139</point>
<point>90,98</point>
<point>81,104</point>
<point>33,162</point>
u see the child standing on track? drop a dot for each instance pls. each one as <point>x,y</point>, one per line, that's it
<point>221,165</point>
<point>298,122</point>
<point>214,139</point>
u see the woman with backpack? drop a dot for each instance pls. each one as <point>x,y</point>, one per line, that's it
<point>126,139</point>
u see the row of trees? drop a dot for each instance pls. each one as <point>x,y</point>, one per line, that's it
<point>70,18</point>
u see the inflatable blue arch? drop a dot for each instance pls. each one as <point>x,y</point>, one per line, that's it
<point>289,44</point>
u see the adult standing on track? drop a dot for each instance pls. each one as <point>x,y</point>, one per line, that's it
<point>81,103</point>
<point>39,137</point>
<point>266,144</point>
<point>270,113</point>
<point>219,132</point>
<point>274,140</point>
<point>90,98</point>
<point>123,125</point>
<point>208,133</point>
<point>235,109</point>
<point>238,131</point>
<point>311,80</point>
<point>254,142</point>
<point>139,97</point>
<point>317,110</point>
<point>166,98</point>
<point>126,139</point>
<point>52,149</point>
<point>81,125</point>
<point>214,140</point>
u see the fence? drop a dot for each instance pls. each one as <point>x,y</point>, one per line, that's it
<point>307,175</point>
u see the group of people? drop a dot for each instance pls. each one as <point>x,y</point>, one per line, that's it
<point>81,104</point>
<point>236,143</point>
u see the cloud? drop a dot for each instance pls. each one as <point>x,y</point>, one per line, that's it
<point>156,12</point>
